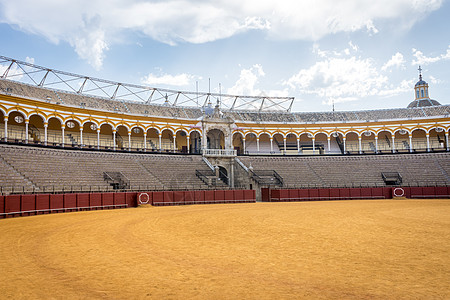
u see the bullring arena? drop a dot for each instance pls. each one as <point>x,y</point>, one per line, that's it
<point>110,190</point>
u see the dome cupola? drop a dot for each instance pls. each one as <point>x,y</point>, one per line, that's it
<point>422,97</point>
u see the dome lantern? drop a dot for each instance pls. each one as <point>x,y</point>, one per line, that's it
<point>422,98</point>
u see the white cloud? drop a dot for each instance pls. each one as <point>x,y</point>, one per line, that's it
<point>397,60</point>
<point>327,53</point>
<point>246,84</point>
<point>92,26</point>
<point>339,79</point>
<point>421,59</point>
<point>166,79</point>
<point>405,86</point>
<point>435,80</point>
<point>371,28</point>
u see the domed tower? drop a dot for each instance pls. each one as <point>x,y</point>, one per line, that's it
<point>421,94</point>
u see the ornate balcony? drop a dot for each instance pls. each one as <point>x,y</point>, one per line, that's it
<point>219,152</point>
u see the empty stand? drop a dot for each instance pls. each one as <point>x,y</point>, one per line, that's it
<point>416,169</point>
<point>46,169</point>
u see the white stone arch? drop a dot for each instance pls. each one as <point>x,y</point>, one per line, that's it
<point>156,128</point>
<point>123,125</point>
<point>352,131</point>
<point>24,115</point>
<point>384,130</point>
<point>331,134</point>
<point>34,113</point>
<point>367,140</point>
<point>195,140</point>
<point>436,126</point>
<point>282,133</point>
<point>54,116</point>
<point>75,120</point>
<point>250,133</point>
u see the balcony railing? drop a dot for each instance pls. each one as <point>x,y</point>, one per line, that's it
<point>219,152</point>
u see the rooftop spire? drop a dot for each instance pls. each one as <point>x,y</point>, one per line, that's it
<point>420,73</point>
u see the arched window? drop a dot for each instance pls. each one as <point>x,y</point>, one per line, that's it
<point>422,93</point>
<point>417,94</point>
<point>426,93</point>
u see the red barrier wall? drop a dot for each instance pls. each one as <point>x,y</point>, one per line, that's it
<point>131,199</point>
<point>324,194</point>
<point>284,195</point>
<point>28,202</point>
<point>219,196</point>
<point>334,194</point>
<point>56,201</point>
<point>70,200</point>
<point>250,195</point>
<point>158,198</point>
<point>293,195</point>
<point>178,197</point>
<point>168,198</point>
<point>2,204</point>
<point>82,200</point>
<point>107,199</point>
<point>209,197</point>
<point>95,199</point>
<point>119,198</point>
<point>31,204</point>
<point>199,197</point>
<point>239,195</point>
<point>12,203</point>
<point>189,197</point>
<point>43,201</point>
<point>357,193</point>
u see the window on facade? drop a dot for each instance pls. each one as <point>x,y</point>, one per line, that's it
<point>417,94</point>
<point>422,94</point>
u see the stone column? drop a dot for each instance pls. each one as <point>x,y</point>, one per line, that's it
<point>393,143</point>
<point>243,145</point>
<point>271,144</point>
<point>343,139</point>
<point>5,119</point>
<point>145,141</point>
<point>314,145</point>
<point>129,140</point>
<point>81,137</point>
<point>45,133</point>
<point>159,142</point>
<point>98,137</point>
<point>376,144</point>
<point>62,129</point>
<point>174,142</point>
<point>257,144</point>
<point>188,142</point>
<point>428,142</point>
<point>329,144</point>
<point>360,145</point>
<point>284,142</point>
<point>26,130</point>
<point>446,141</point>
<point>410,142</point>
<point>298,144</point>
<point>114,139</point>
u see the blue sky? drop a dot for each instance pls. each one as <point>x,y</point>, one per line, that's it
<point>358,54</point>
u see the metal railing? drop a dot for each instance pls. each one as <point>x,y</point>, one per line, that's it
<point>267,177</point>
<point>219,152</point>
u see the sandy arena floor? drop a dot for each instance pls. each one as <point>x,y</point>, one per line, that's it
<point>337,250</point>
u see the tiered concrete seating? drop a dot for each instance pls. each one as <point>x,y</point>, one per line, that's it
<point>54,169</point>
<point>416,169</point>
